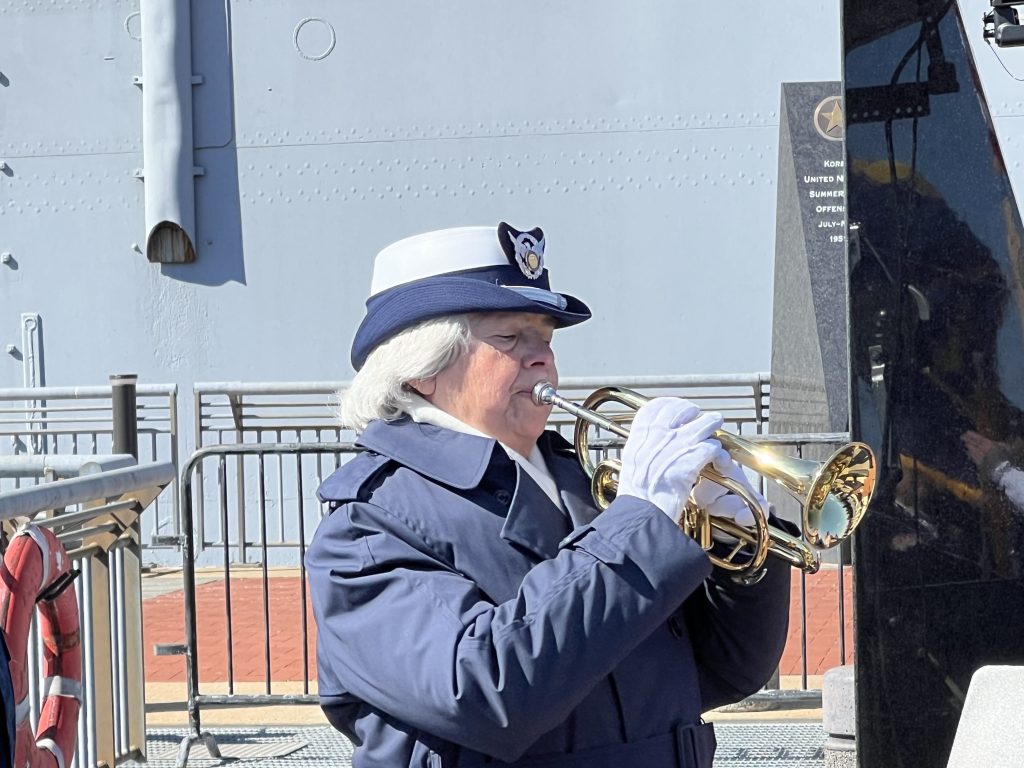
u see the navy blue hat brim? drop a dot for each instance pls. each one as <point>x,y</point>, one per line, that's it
<point>403,306</point>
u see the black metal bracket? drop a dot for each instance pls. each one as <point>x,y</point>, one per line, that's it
<point>59,584</point>
<point>1002,24</point>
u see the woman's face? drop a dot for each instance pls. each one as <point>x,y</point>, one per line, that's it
<point>490,387</point>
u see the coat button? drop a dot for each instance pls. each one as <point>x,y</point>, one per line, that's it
<point>503,497</point>
<point>677,627</point>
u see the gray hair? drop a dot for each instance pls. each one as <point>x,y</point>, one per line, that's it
<point>380,388</point>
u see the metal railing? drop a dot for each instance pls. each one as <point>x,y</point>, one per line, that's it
<point>44,430</point>
<point>237,412</point>
<point>96,519</point>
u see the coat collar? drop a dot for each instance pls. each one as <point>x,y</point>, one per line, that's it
<point>460,460</point>
<point>536,523</point>
<point>452,458</point>
<point>573,484</point>
<point>533,521</point>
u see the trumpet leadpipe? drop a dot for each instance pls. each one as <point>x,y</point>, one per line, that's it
<point>544,393</point>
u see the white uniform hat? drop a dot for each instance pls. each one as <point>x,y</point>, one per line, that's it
<point>454,271</point>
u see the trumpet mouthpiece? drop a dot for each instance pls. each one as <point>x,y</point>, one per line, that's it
<point>543,393</point>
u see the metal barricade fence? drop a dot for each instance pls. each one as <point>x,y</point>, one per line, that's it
<point>95,518</point>
<point>42,429</point>
<point>299,520</point>
<point>232,599</point>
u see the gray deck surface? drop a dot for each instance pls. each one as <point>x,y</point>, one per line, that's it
<point>740,745</point>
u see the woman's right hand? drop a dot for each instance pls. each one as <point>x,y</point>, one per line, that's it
<point>669,444</point>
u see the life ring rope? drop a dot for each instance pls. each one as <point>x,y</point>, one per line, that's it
<point>36,573</point>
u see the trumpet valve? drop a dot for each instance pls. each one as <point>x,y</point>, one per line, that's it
<point>695,523</point>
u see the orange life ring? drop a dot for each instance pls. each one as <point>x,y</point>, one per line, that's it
<point>37,570</point>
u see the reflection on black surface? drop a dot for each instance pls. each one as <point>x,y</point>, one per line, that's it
<point>937,354</point>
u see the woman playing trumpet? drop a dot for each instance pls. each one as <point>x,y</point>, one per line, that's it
<point>472,606</point>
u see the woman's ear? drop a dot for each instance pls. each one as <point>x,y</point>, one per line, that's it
<point>423,387</point>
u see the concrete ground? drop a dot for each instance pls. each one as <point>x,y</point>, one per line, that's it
<point>740,745</point>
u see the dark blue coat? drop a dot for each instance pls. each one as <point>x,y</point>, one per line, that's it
<point>464,620</point>
<point>8,726</point>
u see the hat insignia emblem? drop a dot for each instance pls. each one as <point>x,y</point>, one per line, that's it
<point>529,252</point>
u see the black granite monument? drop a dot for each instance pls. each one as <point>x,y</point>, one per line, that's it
<point>937,369</point>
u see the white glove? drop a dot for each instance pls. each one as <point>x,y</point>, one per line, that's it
<point>720,502</point>
<point>668,445</point>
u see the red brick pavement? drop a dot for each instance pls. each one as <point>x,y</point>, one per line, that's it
<point>164,623</point>
<point>821,605</point>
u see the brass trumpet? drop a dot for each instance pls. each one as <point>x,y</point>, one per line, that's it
<point>833,494</point>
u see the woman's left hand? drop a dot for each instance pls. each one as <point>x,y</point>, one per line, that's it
<point>720,501</point>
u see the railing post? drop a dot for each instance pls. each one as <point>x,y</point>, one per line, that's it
<point>124,407</point>
<point>123,404</point>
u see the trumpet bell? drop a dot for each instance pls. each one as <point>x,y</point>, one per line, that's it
<point>838,495</point>
<point>833,494</point>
